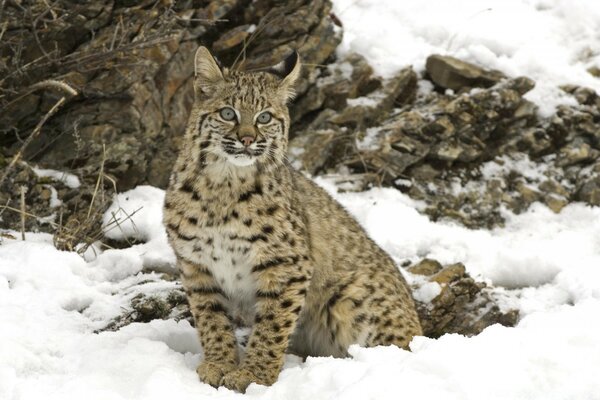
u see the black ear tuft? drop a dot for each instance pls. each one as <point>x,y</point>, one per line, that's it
<point>285,67</point>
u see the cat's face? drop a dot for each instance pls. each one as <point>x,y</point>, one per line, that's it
<point>243,117</point>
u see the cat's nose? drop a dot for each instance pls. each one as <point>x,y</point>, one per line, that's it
<point>247,140</point>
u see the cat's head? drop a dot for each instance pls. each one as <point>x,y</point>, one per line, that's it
<point>242,117</point>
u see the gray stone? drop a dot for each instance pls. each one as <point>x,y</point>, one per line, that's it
<point>452,73</point>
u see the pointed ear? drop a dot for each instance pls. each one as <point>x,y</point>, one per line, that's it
<point>206,70</point>
<point>289,72</point>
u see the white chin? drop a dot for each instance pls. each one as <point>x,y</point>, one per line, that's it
<point>241,160</point>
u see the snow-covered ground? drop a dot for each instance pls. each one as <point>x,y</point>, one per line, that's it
<point>547,265</point>
<point>553,42</point>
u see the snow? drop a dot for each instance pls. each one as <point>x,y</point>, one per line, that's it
<point>553,42</point>
<point>369,141</point>
<point>427,292</point>
<point>518,162</point>
<point>66,178</point>
<point>545,264</point>
<point>135,214</point>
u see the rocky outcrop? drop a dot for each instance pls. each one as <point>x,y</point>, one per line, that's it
<point>453,302</point>
<point>131,64</point>
<point>466,153</point>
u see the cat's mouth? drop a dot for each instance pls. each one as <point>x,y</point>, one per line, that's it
<point>242,157</point>
<point>243,152</point>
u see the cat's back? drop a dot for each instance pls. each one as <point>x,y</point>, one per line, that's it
<point>337,239</point>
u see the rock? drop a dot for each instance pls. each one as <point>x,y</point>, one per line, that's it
<point>462,306</point>
<point>426,267</point>
<point>441,127</point>
<point>447,151</point>
<point>576,152</point>
<point>161,305</point>
<point>349,78</point>
<point>371,109</point>
<point>589,192</point>
<point>149,308</point>
<point>521,85</point>
<point>452,73</point>
<point>555,203</point>
<point>449,274</point>
<point>527,193</point>
<point>232,38</point>
<point>594,71</point>
<point>585,96</point>
<point>552,187</point>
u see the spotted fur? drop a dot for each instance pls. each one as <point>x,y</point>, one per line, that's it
<point>259,244</point>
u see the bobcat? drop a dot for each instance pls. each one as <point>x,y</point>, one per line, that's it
<point>259,244</point>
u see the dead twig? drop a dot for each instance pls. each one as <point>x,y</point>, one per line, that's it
<point>100,176</point>
<point>23,213</point>
<point>38,128</point>
<point>262,25</point>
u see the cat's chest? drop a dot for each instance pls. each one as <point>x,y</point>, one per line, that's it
<point>230,262</point>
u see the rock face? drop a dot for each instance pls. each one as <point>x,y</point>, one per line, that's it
<point>131,66</point>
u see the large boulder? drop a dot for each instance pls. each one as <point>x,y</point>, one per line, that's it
<point>452,73</point>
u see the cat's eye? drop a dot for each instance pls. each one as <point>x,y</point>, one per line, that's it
<point>227,113</point>
<point>264,117</point>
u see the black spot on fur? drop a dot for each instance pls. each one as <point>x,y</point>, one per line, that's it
<point>256,191</point>
<point>217,308</point>
<point>268,264</point>
<point>255,238</point>
<point>360,318</point>
<point>271,210</point>
<point>296,279</point>
<point>286,303</point>
<point>206,290</point>
<point>267,295</point>
<point>185,237</point>
<point>187,187</point>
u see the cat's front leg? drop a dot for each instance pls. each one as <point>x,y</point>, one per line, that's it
<point>214,326</point>
<point>282,283</point>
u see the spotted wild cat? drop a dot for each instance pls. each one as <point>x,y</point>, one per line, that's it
<point>261,245</point>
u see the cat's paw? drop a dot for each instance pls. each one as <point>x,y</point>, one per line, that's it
<point>212,372</point>
<point>239,380</point>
